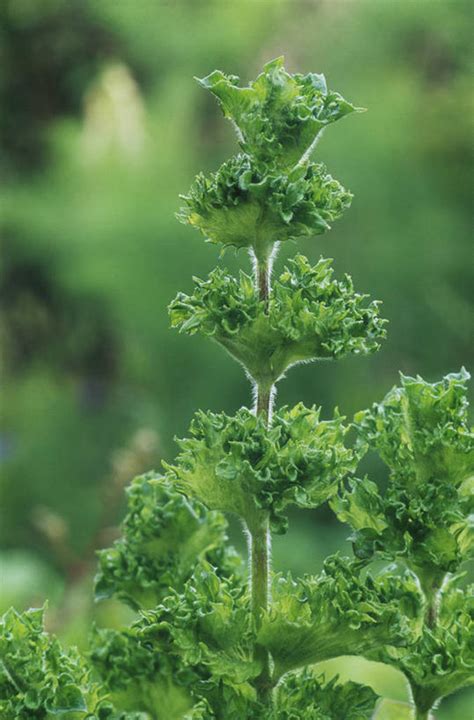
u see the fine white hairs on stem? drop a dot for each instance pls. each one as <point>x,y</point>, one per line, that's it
<point>309,151</point>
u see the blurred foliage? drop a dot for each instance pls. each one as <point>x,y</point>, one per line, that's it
<point>101,128</point>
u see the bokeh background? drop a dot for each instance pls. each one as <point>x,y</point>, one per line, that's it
<point>101,128</point>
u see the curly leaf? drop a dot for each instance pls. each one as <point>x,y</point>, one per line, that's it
<point>243,206</point>
<point>235,464</point>
<point>441,661</point>
<point>425,515</point>
<point>338,613</point>
<point>38,679</point>
<point>310,316</point>
<point>304,695</point>
<point>207,631</point>
<point>279,116</point>
<point>139,678</point>
<point>164,535</point>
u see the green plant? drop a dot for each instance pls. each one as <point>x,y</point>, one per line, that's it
<point>212,638</point>
<point>424,522</point>
<point>228,642</point>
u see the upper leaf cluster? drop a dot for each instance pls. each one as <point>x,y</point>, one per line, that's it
<point>278,116</point>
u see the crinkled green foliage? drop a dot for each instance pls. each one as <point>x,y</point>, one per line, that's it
<point>304,696</point>
<point>337,613</point>
<point>310,316</point>
<point>206,645</point>
<point>424,515</point>
<point>164,534</point>
<point>201,711</point>
<point>238,465</point>
<point>207,631</point>
<point>279,115</point>
<point>138,677</point>
<point>241,205</point>
<point>441,661</point>
<point>40,681</point>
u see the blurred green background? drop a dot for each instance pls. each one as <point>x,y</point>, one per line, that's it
<point>101,128</point>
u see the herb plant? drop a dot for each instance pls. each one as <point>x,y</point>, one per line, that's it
<point>214,638</point>
<point>424,521</point>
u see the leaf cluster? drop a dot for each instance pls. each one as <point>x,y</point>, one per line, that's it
<point>305,695</point>
<point>310,316</point>
<point>278,116</point>
<point>238,465</point>
<point>138,677</point>
<point>339,612</point>
<point>163,535</point>
<point>441,660</point>
<point>206,631</point>
<point>39,680</point>
<point>425,515</point>
<point>246,205</point>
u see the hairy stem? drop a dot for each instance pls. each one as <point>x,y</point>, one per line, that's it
<point>260,534</point>
<point>263,279</point>
<point>260,570</point>
<point>263,404</point>
<point>431,583</point>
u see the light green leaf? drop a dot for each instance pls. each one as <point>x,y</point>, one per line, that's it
<point>278,116</point>
<point>304,695</point>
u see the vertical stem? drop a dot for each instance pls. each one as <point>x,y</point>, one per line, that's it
<point>263,405</point>
<point>260,533</point>
<point>431,582</point>
<point>263,279</point>
<point>260,560</point>
<point>260,569</point>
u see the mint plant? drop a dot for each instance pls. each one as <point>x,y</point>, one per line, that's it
<point>227,642</point>
<point>215,638</point>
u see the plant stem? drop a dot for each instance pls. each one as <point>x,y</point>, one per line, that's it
<point>431,583</point>
<point>260,570</point>
<point>260,533</point>
<point>263,404</point>
<point>263,280</point>
<point>422,715</point>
